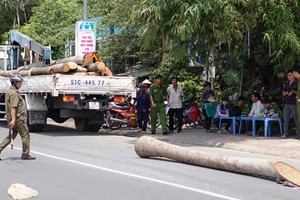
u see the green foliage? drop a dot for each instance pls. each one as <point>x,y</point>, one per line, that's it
<point>14,13</point>
<point>53,22</point>
<point>176,66</point>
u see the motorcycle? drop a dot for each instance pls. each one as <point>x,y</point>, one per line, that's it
<point>119,114</point>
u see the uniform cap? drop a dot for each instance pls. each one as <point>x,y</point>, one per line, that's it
<point>16,78</point>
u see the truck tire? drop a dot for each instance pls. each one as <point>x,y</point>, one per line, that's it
<point>39,127</point>
<point>31,128</point>
<point>81,124</point>
<point>55,115</point>
<point>95,128</point>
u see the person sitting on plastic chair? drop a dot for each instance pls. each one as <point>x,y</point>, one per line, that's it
<point>223,110</point>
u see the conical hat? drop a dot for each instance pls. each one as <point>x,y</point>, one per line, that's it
<point>146,81</point>
<point>287,172</point>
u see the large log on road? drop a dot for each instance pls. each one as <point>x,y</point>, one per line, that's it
<point>147,147</point>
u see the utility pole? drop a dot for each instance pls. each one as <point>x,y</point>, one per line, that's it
<point>85,10</point>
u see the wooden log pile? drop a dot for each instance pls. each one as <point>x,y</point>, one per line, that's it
<point>83,65</point>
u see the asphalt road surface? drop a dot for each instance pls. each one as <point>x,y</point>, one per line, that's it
<point>77,166</point>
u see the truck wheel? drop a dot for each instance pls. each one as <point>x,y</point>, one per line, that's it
<point>81,124</point>
<point>31,128</point>
<point>39,127</point>
<point>95,128</point>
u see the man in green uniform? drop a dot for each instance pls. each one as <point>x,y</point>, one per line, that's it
<point>296,73</point>
<point>16,117</point>
<point>158,95</point>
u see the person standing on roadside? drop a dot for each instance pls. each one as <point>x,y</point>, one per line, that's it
<point>289,94</point>
<point>142,107</point>
<point>147,84</point>
<point>296,73</point>
<point>175,93</point>
<point>158,95</point>
<point>207,98</point>
<point>16,117</point>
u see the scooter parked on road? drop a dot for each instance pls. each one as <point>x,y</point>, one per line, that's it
<point>120,113</point>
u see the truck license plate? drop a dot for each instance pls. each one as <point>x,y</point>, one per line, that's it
<point>94,105</point>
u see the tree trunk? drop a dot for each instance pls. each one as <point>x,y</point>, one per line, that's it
<point>164,48</point>
<point>85,60</point>
<point>95,67</point>
<point>37,71</point>
<point>106,72</point>
<point>81,69</point>
<point>60,68</point>
<point>88,59</point>
<point>6,73</point>
<point>77,59</point>
<point>147,147</point>
<point>71,65</point>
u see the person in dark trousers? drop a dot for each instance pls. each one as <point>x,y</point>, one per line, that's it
<point>207,96</point>
<point>16,117</point>
<point>289,92</point>
<point>296,73</point>
<point>142,107</point>
<point>175,93</point>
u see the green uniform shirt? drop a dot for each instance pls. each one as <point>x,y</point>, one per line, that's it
<point>14,100</point>
<point>158,94</point>
<point>298,90</point>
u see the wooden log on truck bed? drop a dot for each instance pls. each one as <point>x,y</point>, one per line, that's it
<point>83,60</point>
<point>81,69</point>
<point>88,59</point>
<point>77,59</point>
<point>60,68</point>
<point>71,65</point>
<point>95,67</point>
<point>5,73</point>
<point>37,71</point>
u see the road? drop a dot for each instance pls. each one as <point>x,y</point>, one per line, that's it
<point>76,166</point>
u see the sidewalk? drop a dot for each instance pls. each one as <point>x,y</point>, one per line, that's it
<point>275,146</point>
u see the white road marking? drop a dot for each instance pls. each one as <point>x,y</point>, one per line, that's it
<point>135,176</point>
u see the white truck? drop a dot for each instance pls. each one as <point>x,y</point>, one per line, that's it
<point>60,97</point>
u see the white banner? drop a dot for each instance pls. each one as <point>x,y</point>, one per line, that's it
<point>85,37</point>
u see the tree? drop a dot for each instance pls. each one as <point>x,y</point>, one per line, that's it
<point>226,28</point>
<point>53,22</point>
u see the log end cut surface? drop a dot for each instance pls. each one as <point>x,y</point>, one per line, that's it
<point>287,172</point>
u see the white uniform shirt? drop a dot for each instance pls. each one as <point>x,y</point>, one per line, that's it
<point>257,109</point>
<point>175,97</point>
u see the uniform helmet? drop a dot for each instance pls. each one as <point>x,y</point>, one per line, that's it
<point>16,78</point>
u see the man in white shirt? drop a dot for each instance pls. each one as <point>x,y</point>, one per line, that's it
<point>257,109</point>
<point>175,94</point>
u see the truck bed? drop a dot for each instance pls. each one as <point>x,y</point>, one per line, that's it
<point>74,84</point>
